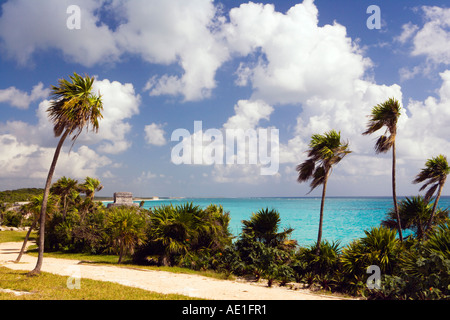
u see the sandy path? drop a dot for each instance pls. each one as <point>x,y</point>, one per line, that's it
<point>157,281</point>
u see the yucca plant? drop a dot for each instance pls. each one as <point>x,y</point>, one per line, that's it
<point>264,225</point>
<point>126,228</point>
<point>379,247</point>
<point>439,241</point>
<point>415,213</point>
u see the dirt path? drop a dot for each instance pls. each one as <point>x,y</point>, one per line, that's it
<point>157,281</point>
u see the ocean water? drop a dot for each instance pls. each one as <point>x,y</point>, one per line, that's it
<point>345,219</point>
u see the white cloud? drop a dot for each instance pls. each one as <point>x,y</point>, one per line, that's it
<point>425,131</point>
<point>248,114</point>
<point>27,27</point>
<point>20,99</point>
<point>120,102</point>
<point>154,134</point>
<point>409,29</point>
<point>21,160</point>
<point>175,32</point>
<point>433,39</point>
<point>295,58</point>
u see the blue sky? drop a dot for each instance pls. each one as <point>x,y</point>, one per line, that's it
<point>298,67</point>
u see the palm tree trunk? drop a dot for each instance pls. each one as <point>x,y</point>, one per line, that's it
<point>24,245</point>
<point>394,193</point>
<point>433,212</point>
<point>37,268</point>
<point>322,205</point>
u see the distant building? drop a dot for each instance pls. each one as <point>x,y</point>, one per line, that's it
<point>123,199</point>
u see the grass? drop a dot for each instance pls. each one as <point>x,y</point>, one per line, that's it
<point>48,286</point>
<point>54,287</point>
<point>15,236</point>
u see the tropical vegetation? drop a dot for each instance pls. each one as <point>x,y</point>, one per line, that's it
<point>69,220</point>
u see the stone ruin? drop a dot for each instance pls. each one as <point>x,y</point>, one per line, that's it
<point>123,199</point>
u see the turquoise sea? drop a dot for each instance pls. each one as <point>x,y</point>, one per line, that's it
<point>345,219</point>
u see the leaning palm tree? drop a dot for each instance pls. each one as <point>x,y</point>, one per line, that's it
<point>324,152</point>
<point>386,115</point>
<point>34,207</point>
<point>73,107</point>
<point>435,174</point>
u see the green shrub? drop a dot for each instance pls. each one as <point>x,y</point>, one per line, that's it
<point>12,219</point>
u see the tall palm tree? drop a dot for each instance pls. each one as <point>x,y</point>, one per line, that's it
<point>386,115</point>
<point>324,152</point>
<point>66,188</point>
<point>435,174</point>
<point>73,107</point>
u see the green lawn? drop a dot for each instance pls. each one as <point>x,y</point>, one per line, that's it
<point>48,286</point>
<point>15,236</point>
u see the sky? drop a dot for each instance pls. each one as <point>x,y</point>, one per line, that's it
<point>205,68</point>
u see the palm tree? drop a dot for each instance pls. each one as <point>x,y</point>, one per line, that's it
<point>127,229</point>
<point>435,173</point>
<point>324,152</point>
<point>264,226</point>
<point>90,186</point>
<point>386,115</point>
<point>34,207</point>
<point>72,108</point>
<point>415,212</point>
<point>66,188</point>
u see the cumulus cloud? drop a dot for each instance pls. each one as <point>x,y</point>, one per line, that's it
<point>295,58</point>
<point>21,160</point>
<point>433,39</point>
<point>26,28</point>
<point>154,134</point>
<point>120,103</point>
<point>425,129</point>
<point>20,99</point>
<point>174,32</point>
<point>248,114</point>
